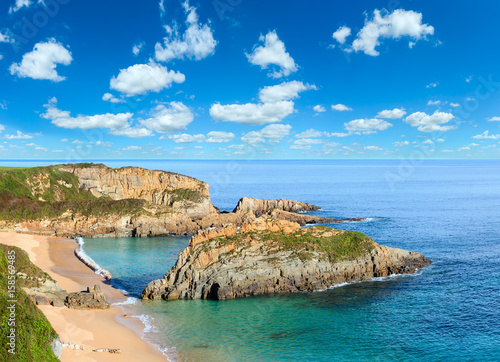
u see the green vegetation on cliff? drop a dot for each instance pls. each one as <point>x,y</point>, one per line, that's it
<point>32,330</point>
<point>331,244</point>
<point>47,192</point>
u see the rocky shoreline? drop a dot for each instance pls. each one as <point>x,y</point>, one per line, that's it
<point>276,256</point>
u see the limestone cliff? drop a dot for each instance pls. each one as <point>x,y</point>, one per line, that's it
<point>261,207</point>
<point>93,200</point>
<point>273,256</point>
<point>183,194</point>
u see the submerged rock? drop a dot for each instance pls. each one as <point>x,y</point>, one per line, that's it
<point>275,256</point>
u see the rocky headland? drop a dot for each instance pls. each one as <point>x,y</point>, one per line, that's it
<point>275,256</point>
<point>93,200</point>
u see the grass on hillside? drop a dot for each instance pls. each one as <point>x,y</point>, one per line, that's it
<point>343,245</point>
<point>33,331</point>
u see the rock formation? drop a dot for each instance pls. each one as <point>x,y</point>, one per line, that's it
<point>273,256</point>
<point>183,194</point>
<point>93,200</point>
<point>93,298</point>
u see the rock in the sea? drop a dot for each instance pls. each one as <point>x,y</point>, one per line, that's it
<point>93,298</point>
<point>275,256</point>
<point>259,207</point>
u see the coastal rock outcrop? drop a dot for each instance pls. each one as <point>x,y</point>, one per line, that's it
<point>93,298</point>
<point>260,207</point>
<point>183,194</point>
<point>275,256</point>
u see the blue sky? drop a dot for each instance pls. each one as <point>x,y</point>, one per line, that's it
<point>236,79</point>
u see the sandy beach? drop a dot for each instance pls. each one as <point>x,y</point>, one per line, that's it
<point>92,329</point>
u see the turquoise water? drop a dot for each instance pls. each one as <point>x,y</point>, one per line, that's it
<point>448,210</point>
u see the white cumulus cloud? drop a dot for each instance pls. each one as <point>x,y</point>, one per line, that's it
<point>185,138</point>
<point>367,126</point>
<point>174,117</point>
<point>494,119</point>
<point>305,143</point>
<point>251,113</point>
<point>430,123</point>
<point>340,107</point>
<point>143,78</point>
<point>41,63</point>
<point>197,42</point>
<point>486,136</point>
<point>372,148</point>
<point>391,114</point>
<point>272,133</point>
<point>401,144</point>
<point>283,92</point>
<point>341,34</point>
<point>108,97</point>
<point>395,25</point>
<point>319,108</point>
<point>273,52</point>
<point>219,137</point>
<point>19,136</point>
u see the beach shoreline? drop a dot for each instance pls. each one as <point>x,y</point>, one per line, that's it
<point>92,329</point>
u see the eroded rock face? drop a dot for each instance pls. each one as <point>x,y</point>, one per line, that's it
<point>93,298</point>
<point>184,194</point>
<point>260,207</point>
<point>231,263</point>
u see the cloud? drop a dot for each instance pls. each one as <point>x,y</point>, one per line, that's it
<point>401,144</point>
<point>273,52</point>
<point>251,113</point>
<point>2,127</point>
<point>132,148</point>
<point>341,34</point>
<point>272,133</point>
<point>454,104</point>
<point>468,79</point>
<point>432,85</point>
<point>41,63</point>
<point>132,132</point>
<point>185,138</point>
<point>486,136</point>
<point>108,97</point>
<point>393,25</point>
<point>433,103</point>
<point>219,137</point>
<point>372,148</point>
<point>341,107</point>
<point>319,109</point>
<point>5,38</point>
<point>305,144</point>
<point>465,148</point>
<point>19,4</point>
<point>143,78</point>
<point>41,149</point>
<point>164,119</point>
<point>428,142</point>
<point>391,114</point>
<point>136,49</point>
<point>310,133</point>
<point>19,136</point>
<point>197,42</point>
<point>118,123</point>
<point>430,123</point>
<point>367,126</point>
<point>493,119</point>
<point>283,92</point>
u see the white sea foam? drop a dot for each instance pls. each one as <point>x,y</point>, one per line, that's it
<point>88,261</point>
<point>375,279</point>
<point>147,320</point>
<point>129,301</point>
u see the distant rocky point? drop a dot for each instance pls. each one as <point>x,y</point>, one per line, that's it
<point>93,200</point>
<point>276,256</point>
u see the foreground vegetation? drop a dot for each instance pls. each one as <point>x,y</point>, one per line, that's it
<point>331,244</point>
<point>33,331</point>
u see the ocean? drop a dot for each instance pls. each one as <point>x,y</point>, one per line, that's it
<point>450,310</point>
